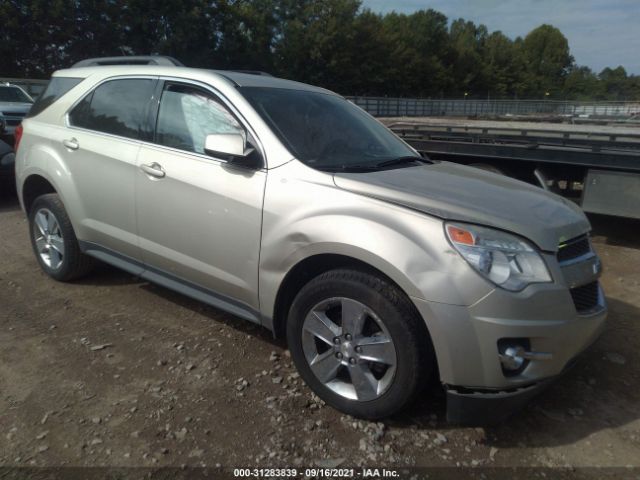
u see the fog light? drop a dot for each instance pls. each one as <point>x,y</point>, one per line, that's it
<point>512,358</point>
<point>515,354</point>
<point>510,352</point>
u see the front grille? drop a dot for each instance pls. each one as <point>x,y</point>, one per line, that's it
<point>14,114</point>
<point>574,248</point>
<point>13,123</point>
<point>585,298</point>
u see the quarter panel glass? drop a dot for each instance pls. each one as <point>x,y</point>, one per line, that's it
<point>56,88</point>
<point>118,107</point>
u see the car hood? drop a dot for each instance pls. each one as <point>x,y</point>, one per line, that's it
<point>456,192</point>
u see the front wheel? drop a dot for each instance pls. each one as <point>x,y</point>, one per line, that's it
<point>359,343</point>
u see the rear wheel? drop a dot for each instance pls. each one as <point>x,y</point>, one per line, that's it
<point>54,242</point>
<point>359,343</point>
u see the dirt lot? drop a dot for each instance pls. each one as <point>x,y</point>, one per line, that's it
<point>114,371</point>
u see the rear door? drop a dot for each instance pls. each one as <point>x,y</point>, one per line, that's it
<point>199,217</point>
<point>102,145</point>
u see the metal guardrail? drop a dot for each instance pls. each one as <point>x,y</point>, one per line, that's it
<point>422,107</point>
<point>604,150</point>
<point>531,137</point>
<point>31,86</point>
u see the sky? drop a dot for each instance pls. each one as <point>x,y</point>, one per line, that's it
<point>601,33</point>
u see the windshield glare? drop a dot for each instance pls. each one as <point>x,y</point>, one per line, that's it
<point>13,94</point>
<point>324,130</point>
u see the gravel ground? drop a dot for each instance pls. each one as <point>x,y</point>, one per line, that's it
<point>114,371</point>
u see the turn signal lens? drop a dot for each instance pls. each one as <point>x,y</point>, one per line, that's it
<point>458,235</point>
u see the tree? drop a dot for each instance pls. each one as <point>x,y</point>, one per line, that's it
<point>331,43</point>
<point>246,34</point>
<point>468,43</point>
<point>547,58</point>
<point>503,65</point>
<point>419,46</point>
<point>372,51</point>
<point>582,84</point>
<point>33,36</point>
<point>615,83</point>
<point>314,41</point>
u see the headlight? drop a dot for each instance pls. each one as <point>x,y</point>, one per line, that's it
<point>506,260</point>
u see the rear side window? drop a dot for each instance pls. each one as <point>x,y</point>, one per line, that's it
<point>118,107</point>
<point>56,88</point>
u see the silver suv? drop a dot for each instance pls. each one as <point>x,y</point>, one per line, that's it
<point>288,206</point>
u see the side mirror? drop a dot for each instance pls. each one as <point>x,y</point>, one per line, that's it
<point>224,144</point>
<point>232,147</point>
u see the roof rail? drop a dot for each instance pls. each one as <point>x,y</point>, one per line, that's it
<point>253,72</point>
<point>129,60</point>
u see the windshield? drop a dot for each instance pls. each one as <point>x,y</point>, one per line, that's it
<point>326,131</point>
<point>13,94</point>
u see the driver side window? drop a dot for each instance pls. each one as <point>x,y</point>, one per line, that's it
<point>188,114</point>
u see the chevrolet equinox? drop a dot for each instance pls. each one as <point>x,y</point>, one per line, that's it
<point>288,206</point>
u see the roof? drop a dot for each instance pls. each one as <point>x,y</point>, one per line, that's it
<point>240,79</point>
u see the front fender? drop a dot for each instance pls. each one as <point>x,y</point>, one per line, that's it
<point>306,215</point>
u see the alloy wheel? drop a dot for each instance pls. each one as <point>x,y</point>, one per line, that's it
<point>349,349</point>
<point>48,238</point>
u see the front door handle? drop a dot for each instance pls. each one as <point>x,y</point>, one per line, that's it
<point>154,169</point>
<point>71,143</point>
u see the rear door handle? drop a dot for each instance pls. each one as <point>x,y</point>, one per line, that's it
<point>71,143</point>
<point>154,169</point>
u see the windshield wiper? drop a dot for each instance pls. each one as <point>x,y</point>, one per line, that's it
<point>371,167</point>
<point>402,161</point>
<point>347,168</point>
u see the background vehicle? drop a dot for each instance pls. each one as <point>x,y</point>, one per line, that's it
<point>7,162</point>
<point>14,105</point>
<point>286,205</point>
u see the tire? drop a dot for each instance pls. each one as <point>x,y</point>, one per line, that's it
<point>343,296</point>
<point>54,242</point>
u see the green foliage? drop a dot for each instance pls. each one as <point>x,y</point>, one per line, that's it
<point>333,43</point>
<point>547,59</point>
<point>582,84</point>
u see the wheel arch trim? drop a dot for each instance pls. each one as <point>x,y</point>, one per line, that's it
<point>314,261</point>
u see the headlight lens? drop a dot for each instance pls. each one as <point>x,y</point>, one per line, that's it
<point>501,258</point>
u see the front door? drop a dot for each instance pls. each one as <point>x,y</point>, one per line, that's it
<point>199,217</point>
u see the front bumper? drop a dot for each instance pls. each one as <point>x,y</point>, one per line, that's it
<point>490,407</point>
<point>465,340</point>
